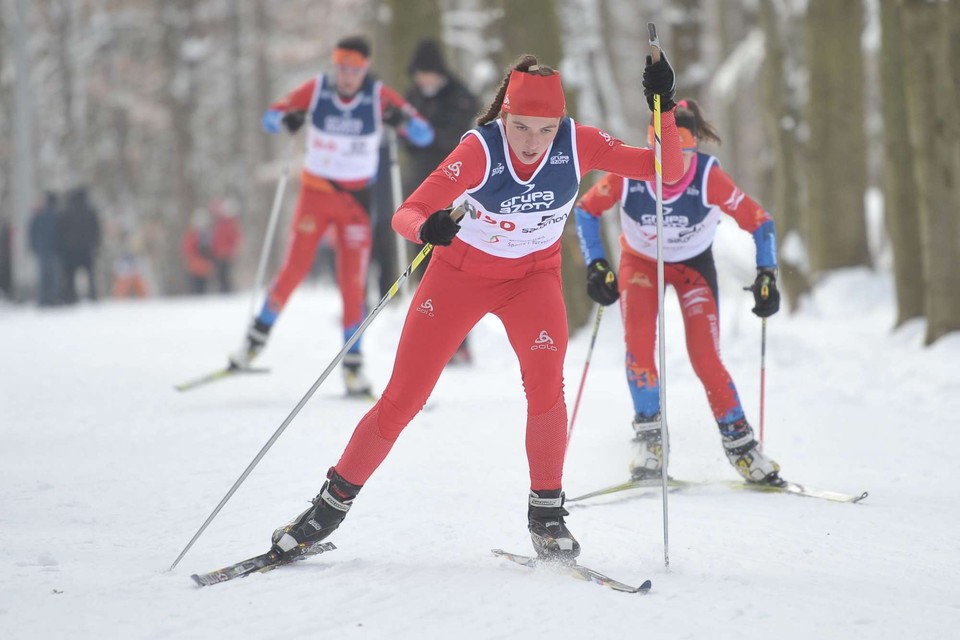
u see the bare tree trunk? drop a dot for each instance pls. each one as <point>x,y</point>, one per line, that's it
<point>24,179</point>
<point>901,213</point>
<point>545,42</point>
<point>176,18</point>
<point>625,38</point>
<point>411,21</point>
<point>781,120</point>
<point>241,166</point>
<point>730,20</point>
<point>65,53</point>
<point>932,116</point>
<point>836,162</point>
<point>261,189</point>
<point>684,49</point>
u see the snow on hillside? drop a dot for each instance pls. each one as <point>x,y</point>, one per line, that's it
<point>106,472</point>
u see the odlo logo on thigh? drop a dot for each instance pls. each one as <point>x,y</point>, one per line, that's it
<point>543,341</point>
<point>426,307</point>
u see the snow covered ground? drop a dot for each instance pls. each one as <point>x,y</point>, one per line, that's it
<point>106,472</point>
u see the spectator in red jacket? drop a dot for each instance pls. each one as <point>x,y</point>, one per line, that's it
<point>226,238</point>
<point>197,249</point>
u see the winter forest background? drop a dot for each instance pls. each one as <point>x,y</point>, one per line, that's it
<point>823,105</point>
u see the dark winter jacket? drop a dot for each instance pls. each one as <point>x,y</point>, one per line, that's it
<point>78,228</point>
<point>43,230</point>
<point>452,113</point>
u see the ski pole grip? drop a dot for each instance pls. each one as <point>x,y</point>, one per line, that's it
<point>457,214</point>
<point>654,42</point>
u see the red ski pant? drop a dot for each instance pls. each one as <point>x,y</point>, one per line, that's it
<point>695,284</point>
<point>315,211</point>
<point>447,304</point>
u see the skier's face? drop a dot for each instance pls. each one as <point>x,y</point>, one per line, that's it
<point>349,78</point>
<point>530,136</point>
<point>429,82</point>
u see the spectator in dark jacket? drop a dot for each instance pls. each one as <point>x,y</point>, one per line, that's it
<point>444,101</point>
<point>6,258</point>
<point>43,244</point>
<point>78,238</point>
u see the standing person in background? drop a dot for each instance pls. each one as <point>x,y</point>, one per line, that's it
<point>344,112</point>
<point>43,244</point>
<point>197,249</point>
<point>692,209</point>
<point>517,175</point>
<point>6,257</point>
<point>226,236</point>
<point>78,238</point>
<point>448,105</point>
<point>128,280</point>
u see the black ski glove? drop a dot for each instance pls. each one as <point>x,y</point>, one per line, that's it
<point>293,120</point>
<point>439,228</point>
<point>394,116</point>
<point>602,283</point>
<point>766,297</point>
<point>659,78</point>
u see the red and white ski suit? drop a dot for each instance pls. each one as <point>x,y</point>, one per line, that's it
<point>326,199</point>
<point>464,282</point>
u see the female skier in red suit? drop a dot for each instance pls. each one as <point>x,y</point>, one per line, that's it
<point>693,206</point>
<point>517,174</point>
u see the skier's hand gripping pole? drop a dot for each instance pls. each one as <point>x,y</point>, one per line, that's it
<point>457,214</point>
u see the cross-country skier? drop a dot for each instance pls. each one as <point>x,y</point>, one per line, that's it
<point>344,112</point>
<point>517,174</point>
<point>692,209</point>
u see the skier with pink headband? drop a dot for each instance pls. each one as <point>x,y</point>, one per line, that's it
<point>693,207</point>
<point>517,175</point>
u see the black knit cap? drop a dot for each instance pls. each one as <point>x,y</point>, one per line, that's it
<point>427,57</point>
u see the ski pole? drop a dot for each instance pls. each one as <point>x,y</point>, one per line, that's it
<point>456,214</point>
<point>586,366</point>
<point>763,373</point>
<point>271,226</point>
<point>664,433</point>
<point>397,194</point>
<point>764,292</point>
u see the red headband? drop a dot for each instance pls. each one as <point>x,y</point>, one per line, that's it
<point>530,94</point>
<point>349,58</point>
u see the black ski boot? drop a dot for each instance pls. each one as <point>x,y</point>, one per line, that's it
<point>326,513</point>
<point>551,538</point>
<point>254,343</point>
